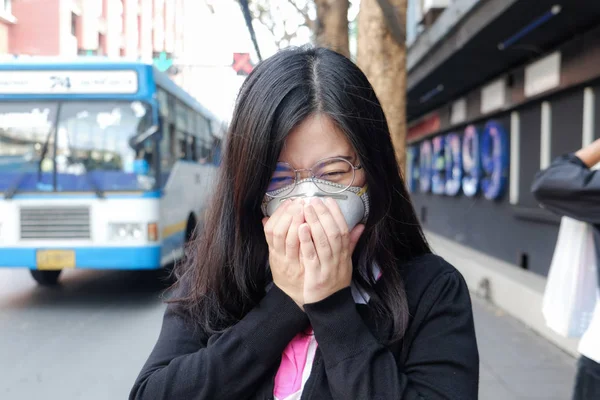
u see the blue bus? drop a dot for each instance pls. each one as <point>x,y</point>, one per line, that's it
<point>103,165</point>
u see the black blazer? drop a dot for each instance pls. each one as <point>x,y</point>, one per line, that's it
<point>568,187</point>
<point>436,359</point>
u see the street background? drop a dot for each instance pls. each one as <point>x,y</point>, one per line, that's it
<point>479,96</point>
<point>88,339</point>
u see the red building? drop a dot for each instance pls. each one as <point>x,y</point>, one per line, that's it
<point>129,28</point>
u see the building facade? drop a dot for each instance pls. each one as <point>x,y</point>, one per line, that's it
<point>137,29</point>
<point>496,90</point>
<point>7,20</point>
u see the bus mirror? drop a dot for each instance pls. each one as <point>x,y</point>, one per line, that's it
<point>136,141</point>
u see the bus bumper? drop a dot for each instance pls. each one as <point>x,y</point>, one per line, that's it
<point>125,258</point>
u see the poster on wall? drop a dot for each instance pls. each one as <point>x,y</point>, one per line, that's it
<point>475,162</point>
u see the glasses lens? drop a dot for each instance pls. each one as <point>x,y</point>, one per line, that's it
<point>335,170</point>
<point>283,177</point>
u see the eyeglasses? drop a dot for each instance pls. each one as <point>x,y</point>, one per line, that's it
<point>331,175</point>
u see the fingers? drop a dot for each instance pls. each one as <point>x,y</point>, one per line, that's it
<point>330,225</point>
<point>339,218</point>
<point>317,231</point>
<point>271,222</point>
<point>282,226</point>
<point>310,260</point>
<point>292,241</point>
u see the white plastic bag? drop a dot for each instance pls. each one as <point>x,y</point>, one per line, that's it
<point>570,295</point>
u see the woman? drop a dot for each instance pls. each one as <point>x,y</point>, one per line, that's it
<point>571,187</point>
<point>335,295</point>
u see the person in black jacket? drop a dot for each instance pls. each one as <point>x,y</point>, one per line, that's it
<point>312,278</point>
<point>570,187</point>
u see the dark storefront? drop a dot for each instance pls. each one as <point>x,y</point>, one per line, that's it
<point>512,86</point>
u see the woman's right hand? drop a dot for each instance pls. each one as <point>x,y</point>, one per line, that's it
<point>281,232</point>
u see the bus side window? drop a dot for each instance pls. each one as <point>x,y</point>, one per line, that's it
<point>167,114</point>
<point>182,146</point>
<point>172,144</point>
<point>193,149</point>
<point>198,150</point>
<point>178,146</point>
<point>166,147</point>
<point>191,132</point>
<point>216,152</point>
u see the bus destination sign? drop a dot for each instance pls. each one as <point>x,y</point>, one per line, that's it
<point>68,82</point>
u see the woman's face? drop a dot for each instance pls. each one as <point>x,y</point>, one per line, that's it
<point>316,138</point>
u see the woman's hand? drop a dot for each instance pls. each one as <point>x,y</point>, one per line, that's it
<point>590,154</point>
<point>281,232</point>
<point>326,247</point>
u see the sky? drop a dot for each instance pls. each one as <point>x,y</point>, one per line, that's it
<point>211,38</point>
<point>210,41</point>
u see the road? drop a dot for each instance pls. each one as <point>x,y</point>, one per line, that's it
<point>88,339</point>
<point>84,340</point>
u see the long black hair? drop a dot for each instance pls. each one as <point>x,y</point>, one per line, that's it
<point>225,271</point>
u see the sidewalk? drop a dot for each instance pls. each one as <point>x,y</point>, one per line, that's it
<point>520,358</point>
<point>516,291</point>
<point>516,363</point>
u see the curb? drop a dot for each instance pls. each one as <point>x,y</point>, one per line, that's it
<point>512,289</point>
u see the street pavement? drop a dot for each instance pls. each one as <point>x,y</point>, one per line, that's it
<point>85,340</point>
<point>516,363</point>
<point>88,338</point>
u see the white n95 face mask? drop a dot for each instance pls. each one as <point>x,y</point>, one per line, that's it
<point>353,202</point>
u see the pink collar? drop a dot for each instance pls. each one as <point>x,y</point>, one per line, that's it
<point>294,358</point>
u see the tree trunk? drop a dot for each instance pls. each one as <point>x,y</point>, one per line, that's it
<point>332,25</point>
<point>383,60</point>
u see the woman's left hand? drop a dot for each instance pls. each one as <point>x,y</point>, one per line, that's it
<point>326,248</point>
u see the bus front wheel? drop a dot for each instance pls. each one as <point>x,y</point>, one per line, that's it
<point>45,278</point>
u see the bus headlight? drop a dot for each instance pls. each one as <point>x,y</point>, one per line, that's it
<point>125,231</point>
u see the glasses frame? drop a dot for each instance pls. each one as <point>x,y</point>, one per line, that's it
<point>312,176</point>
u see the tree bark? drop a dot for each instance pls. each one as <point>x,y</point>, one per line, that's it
<point>332,25</point>
<point>383,60</point>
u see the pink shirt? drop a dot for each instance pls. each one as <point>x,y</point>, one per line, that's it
<point>296,363</point>
<point>298,356</point>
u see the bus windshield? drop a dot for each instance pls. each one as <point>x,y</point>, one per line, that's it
<point>75,146</point>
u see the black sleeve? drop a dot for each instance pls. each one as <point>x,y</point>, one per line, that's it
<point>568,187</point>
<point>183,366</point>
<point>443,360</point>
